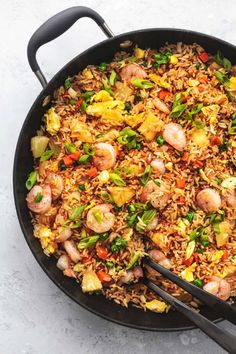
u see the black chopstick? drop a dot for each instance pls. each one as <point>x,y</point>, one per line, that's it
<point>219,306</point>
<point>225,339</point>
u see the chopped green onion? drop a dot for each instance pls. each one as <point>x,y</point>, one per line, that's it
<point>146,175</point>
<point>102,66</point>
<point>161,59</point>
<point>113,78</point>
<point>132,219</point>
<point>115,178</point>
<point>195,233</point>
<point>83,106</point>
<point>87,242</point>
<point>128,106</point>
<point>114,249</point>
<point>222,61</point>
<point>85,158</point>
<point>196,109</point>
<point>222,78</point>
<point>107,87</point>
<point>120,242</point>
<point>133,260</point>
<point>234,256</point>
<point>98,216</point>
<point>131,208</point>
<point>218,180</point>
<point>109,264</point>
<point>198,124</point>
<point>198,282</point>
<point>38,198</point>
<point>87,95</point>
<point>205,243</point>
<point>104,236</point>
<point>198,65</point>
<point>72,101</point>
<point>145,220</point>
<point>78,267</point>
<point>67,84</point>
<point>46,155</point>
<point>106,197</point>
<point>81,187</point>
<point>76,212</point>
<point>178,111</point>
<point>31,180</point>
<point>190,216</point>
<point>142,83</point>
<point>224,146</point>
<point>70,148</point>
<point>232,125</point>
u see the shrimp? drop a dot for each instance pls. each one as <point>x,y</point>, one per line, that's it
<point>157,195</point>
<point>44,204</point>
<point>63,234</point>
<point>160,258</point>
<point>208,200</point>
<point>131,72</point>
<point>100,219</point>
<point>158,166</point>
<point>231,199</point>
<point>72,251</point>
<point>104,157</point>
<point>132,275</point>
<point>63,262</point>
<point>152,225</point>
<point>218,287</point>
<point>175,136</point>
<point>159,104</point>
<point>56,184</point>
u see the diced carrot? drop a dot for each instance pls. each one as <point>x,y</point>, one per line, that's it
<point>216,140</point>
<point>198,163</point>
<point>104,276</point>
<point>185,157</point>
<point>92,172</point>
<point>68,161</point>
<point>101,252</point>
<point>201,88</point>
<point>86,259</point>
<point>180,183</point>
<point>117,150</point>
<point>181,200</point>
<point>196,256</point>
<point>204,57</point>
<point>189,261</point>
<point>203,79</point>
<point>79,102</point>
<point>225,255</point>
<point>185,98</point>
<point>74,156</point>
<point>163,94</point>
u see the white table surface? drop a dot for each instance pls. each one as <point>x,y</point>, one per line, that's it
<point>35,316</point>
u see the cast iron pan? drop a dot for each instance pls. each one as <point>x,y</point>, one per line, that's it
<point>23,163</point>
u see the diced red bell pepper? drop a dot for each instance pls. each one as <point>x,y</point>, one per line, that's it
<point>104,277</point>
<point>225,255</point>
<point>101,252</point>
<point>163,94</point>
<point>189,261</point>
<point>204,57</point>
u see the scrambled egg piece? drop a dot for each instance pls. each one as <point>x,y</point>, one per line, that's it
<point>187,273</point>
<point>156,306</point>
<point>211,112</point>
<point>81,131</point>
<point>46,238</point>
<point>52,121</point>
<point>87,74</point>
<point>135,119</point>
<point>151,126</point>
<point>139,53</point>
<point>232,83</point>
<point>102,96</point>
<point>159,81</point>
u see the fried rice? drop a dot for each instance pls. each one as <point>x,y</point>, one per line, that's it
<point>136,158</point>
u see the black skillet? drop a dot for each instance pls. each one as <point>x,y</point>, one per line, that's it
<point>23,163</point>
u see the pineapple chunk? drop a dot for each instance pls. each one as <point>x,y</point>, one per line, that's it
<point>38,145</point>
<point>150,127</point>
<point>122,91</point>
<point>187,273</point>
<point>90,282</point>
<point>52,121</point>
<point>156,306</point>
<point>87,74</point>
<point>81,131</point>
<point>232,83</point>
<point>121,195</point>
<point>159,239</point>
<point>135,119</point>
<point>223,233</point>
<point>139,53</point>
<point>200,138</point>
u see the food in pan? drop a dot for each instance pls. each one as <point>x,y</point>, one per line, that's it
<point>137,157</point>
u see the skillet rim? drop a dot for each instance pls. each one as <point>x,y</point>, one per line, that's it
<point>122,36</point>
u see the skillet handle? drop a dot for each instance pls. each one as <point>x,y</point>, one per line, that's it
<point>54,27</point>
